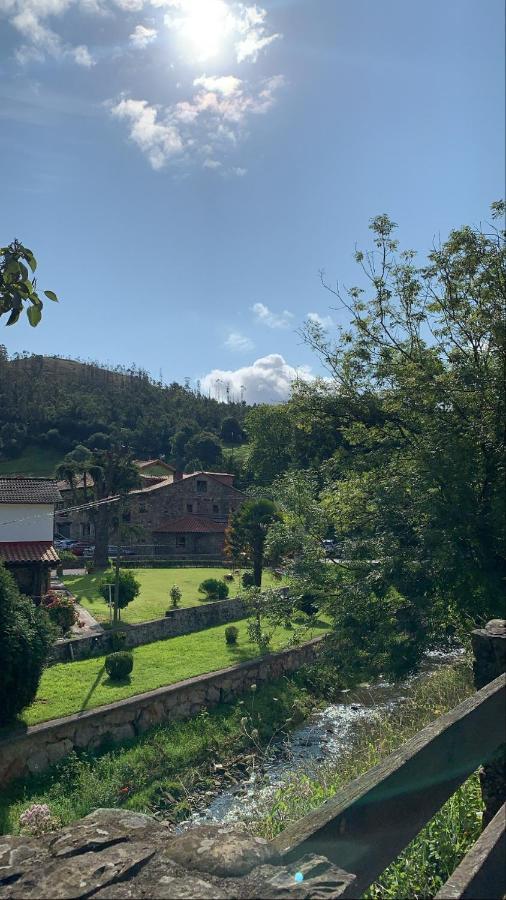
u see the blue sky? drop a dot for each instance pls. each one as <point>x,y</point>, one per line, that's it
<point>184,168</point>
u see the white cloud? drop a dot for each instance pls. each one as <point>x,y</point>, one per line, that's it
<point>239,171</point>
<point>142,36</point>
<point>159,140</point>
<point>267,380</point>
<point>221,84</point>
<point>239,342</point>
<point>82,56</point>
<point>266,316</point>
<point>207,27</point>
<point>325,322</point>
<point>29,17</point>
<point>206,126</point>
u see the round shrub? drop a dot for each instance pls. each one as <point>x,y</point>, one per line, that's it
<point>61,610</point>
<point>26,636</point>
<point>231,634</point>
<point>247,580</point>
<point>129,587</point>
<point>307,603</point>
<point>119,665</point>
<point>214,589</point>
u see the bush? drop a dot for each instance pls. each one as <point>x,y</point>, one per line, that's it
<point>66,556</point>
<point>231,634</point>
<point>119,665</point>
<point>175,595</point>
<point>306,603</point>
<point>129,587</point>
<point>214,589</point>
<point>247,580</point>
<point>118,640</point>
<point>26,636</point>
<point>61,610</point>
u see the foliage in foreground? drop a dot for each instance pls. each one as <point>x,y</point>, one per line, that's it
<point>157,771</point>
<point>26,636</point>
<point>17,287</point>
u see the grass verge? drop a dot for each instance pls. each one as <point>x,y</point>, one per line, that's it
<point>68,688</point>
<point>156,772</point>
<point>153,599</point>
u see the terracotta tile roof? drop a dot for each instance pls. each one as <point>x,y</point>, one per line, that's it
<point>144,463</point>
<point>28,551</point>
<point>29,490</point>
<point>160,483</point>
<point>190,525</point>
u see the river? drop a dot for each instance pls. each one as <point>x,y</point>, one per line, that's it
<point>322,738</point>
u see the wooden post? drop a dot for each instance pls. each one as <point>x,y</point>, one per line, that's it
<point>489,648</point>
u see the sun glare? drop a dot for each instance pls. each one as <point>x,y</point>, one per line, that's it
<point>205,26</point>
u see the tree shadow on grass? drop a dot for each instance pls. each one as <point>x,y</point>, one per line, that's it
<point>92,689</point>
<point>239,654</point>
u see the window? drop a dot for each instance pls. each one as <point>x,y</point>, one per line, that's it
<point>216,508</point>
<point>201,487</point>
<point>189,507</point>
<point>180,540</point>
<point>85,529</point>
<point>142,508</point>
<point>126,517</point>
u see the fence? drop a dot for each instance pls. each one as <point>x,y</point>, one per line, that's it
<point>365,826</point>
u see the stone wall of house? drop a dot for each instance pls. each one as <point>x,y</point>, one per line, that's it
<point>34,749</point>
<point>175,623</point>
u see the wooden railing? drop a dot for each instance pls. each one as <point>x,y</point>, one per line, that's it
<point>367,824</point>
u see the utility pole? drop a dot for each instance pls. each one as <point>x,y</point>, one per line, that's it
<point>116,591</point>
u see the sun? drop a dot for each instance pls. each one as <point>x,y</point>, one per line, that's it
<point>204,26</point>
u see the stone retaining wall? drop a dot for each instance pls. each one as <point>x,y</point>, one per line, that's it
<point>37,747</point>
<point>175,623</point>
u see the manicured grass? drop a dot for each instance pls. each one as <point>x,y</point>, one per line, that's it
<point>153,599</point>
<point>37,461</point>
<point>73,687</point>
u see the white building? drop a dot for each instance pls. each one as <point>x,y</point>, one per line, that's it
<point>26,531</point>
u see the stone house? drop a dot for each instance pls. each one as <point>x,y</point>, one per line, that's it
<point>26,532</point>
<point>181,516</point>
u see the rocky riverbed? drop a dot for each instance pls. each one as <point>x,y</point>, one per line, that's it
<point>242,788</point>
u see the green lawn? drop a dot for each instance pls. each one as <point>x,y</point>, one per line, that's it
<point>37,461</point>
<point>153,599</point>
<point>72,687</point>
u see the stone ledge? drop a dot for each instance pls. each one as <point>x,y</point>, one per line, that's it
<point>121,854</point>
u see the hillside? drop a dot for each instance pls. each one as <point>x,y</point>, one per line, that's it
<point>50,404</point>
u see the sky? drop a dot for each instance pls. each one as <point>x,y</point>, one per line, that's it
<point>184,169</point>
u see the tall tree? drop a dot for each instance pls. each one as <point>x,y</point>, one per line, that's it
<point>114,475</point>
<point>247,534</point>
<point>420,496</point>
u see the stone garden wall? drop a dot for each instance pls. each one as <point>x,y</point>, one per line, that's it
<point>175,623</point>
<point>37,747</point>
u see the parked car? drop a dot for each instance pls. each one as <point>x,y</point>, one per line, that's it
<point>64,544</point>
<point>79,547</point>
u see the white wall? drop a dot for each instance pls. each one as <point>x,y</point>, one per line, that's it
<point>27,522</point>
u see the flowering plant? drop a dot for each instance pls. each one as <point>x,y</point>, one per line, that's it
<point>38,820</point>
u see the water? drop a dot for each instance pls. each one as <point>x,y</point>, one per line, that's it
<point>321,738</point>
